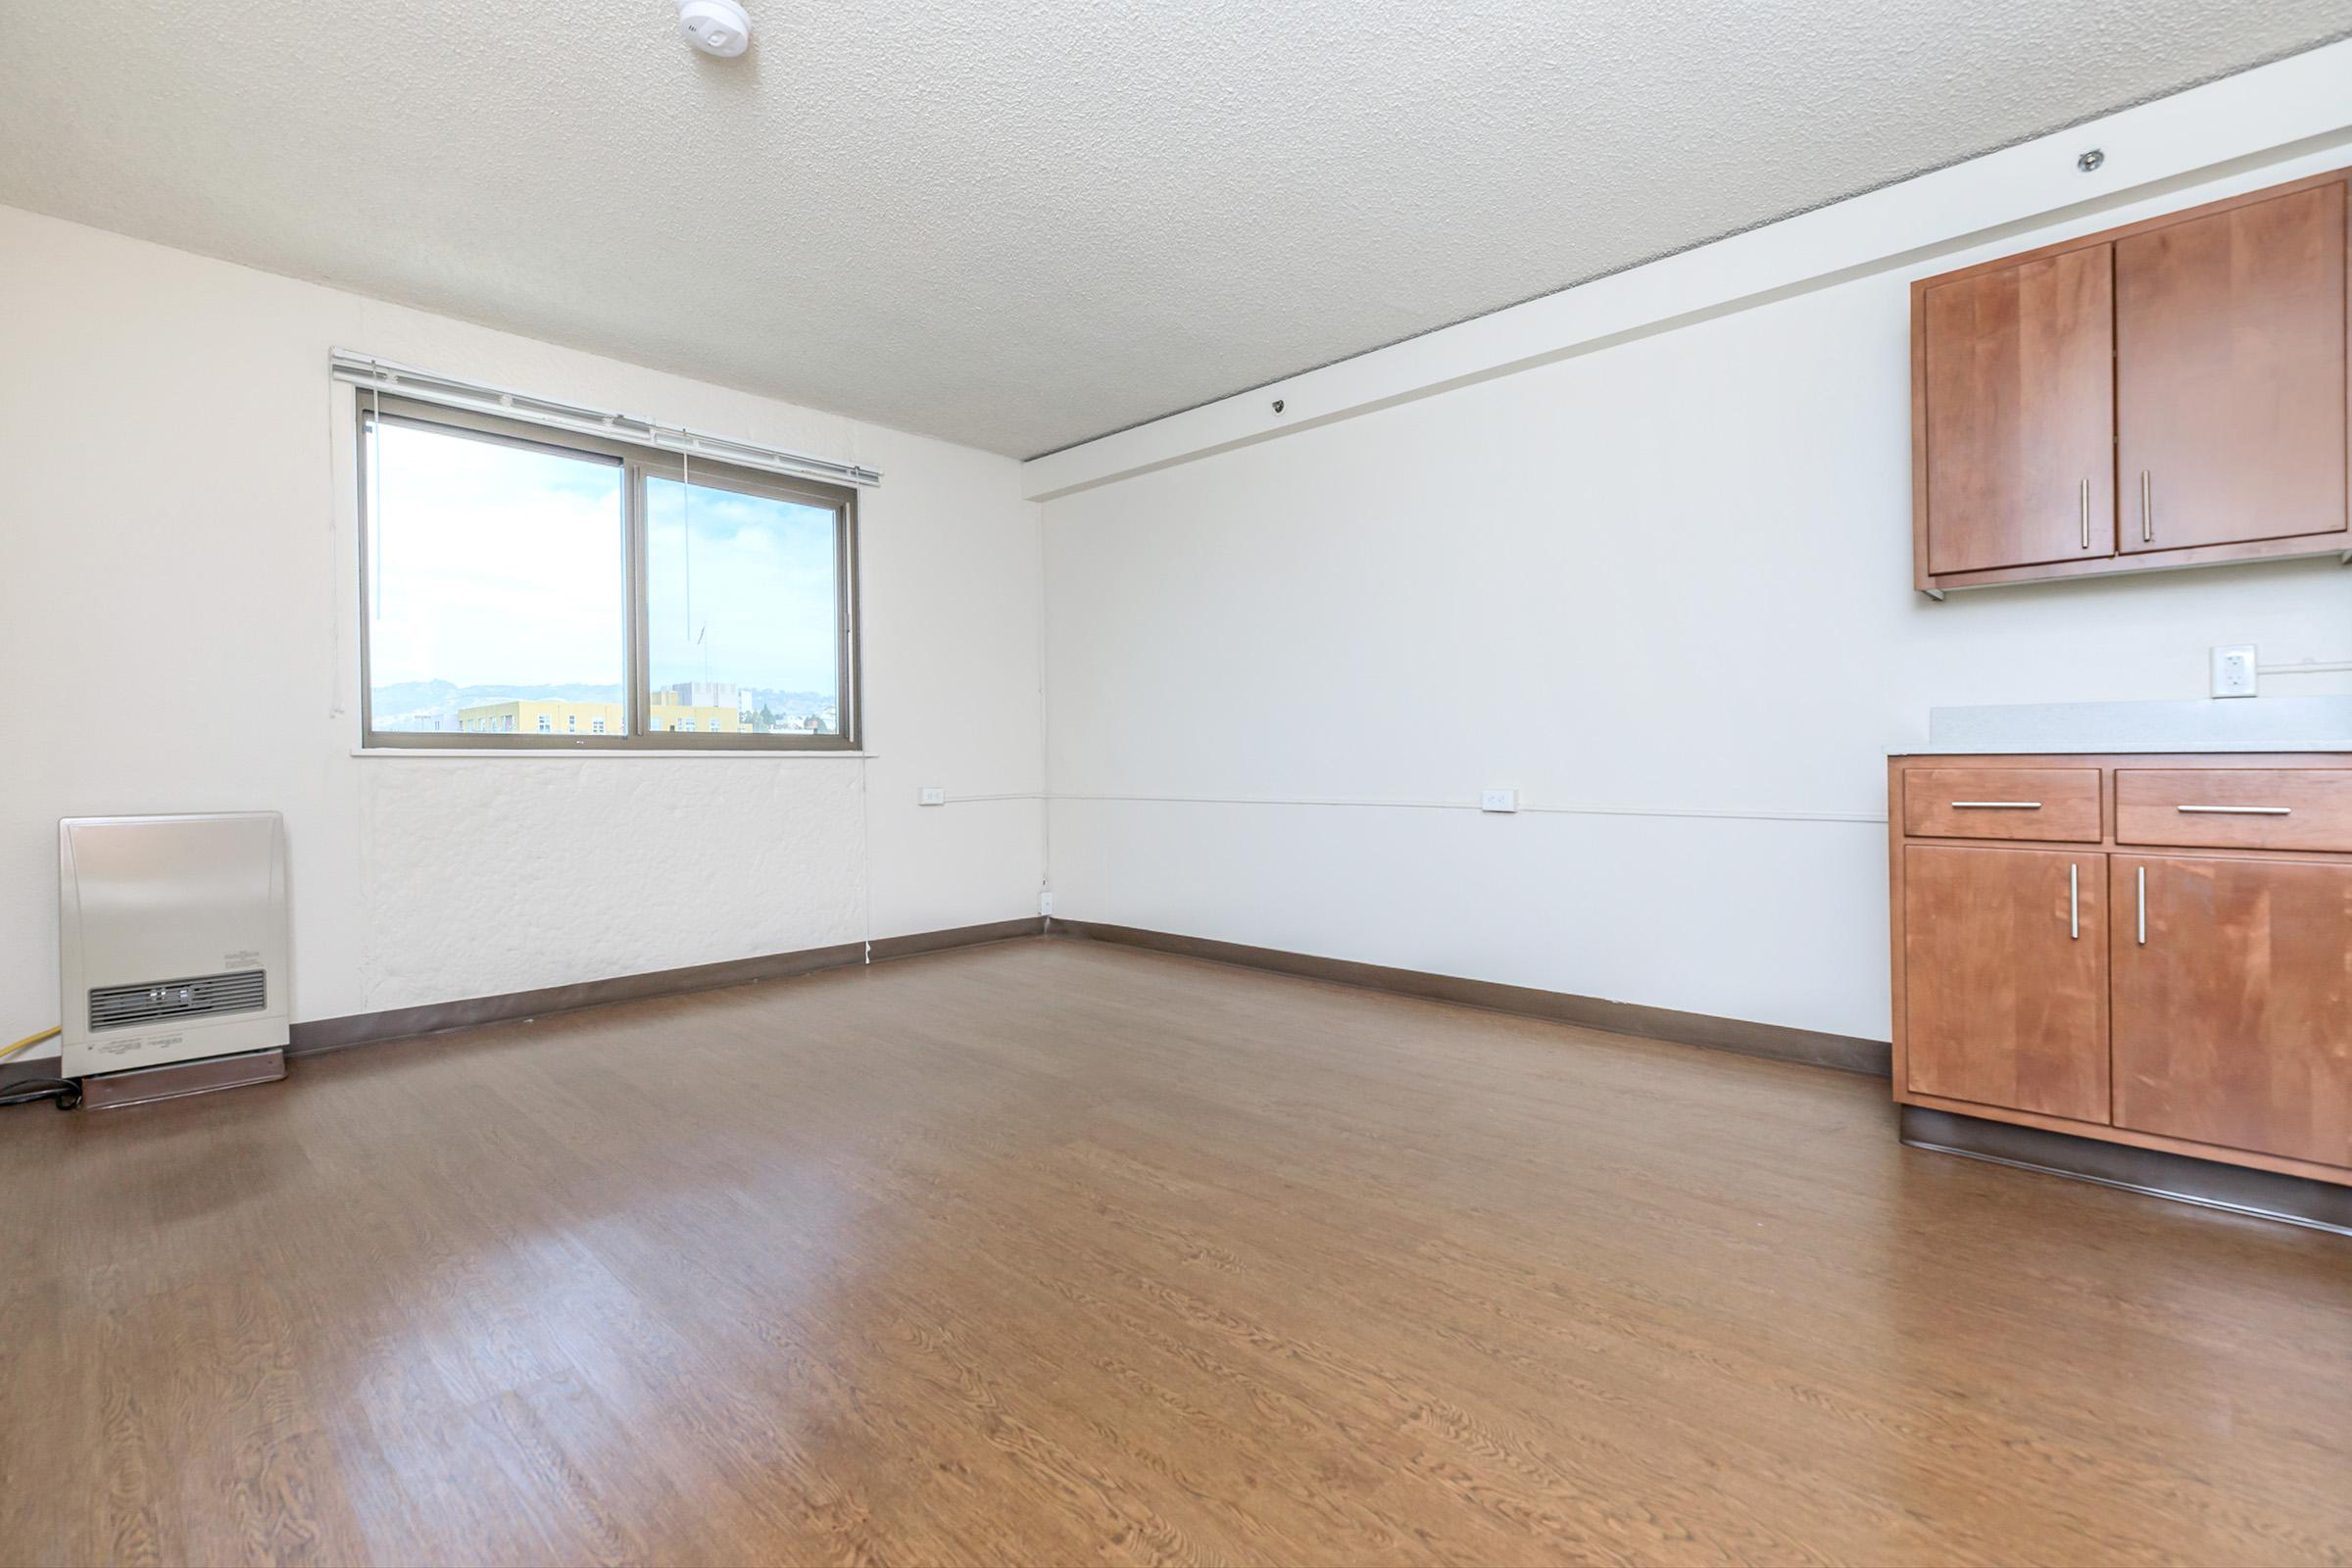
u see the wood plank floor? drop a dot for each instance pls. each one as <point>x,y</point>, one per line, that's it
<point>1057,1252</point>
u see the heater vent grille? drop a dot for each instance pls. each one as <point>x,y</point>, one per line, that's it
<point>119,1007</point>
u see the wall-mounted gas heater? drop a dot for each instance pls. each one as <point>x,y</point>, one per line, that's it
<point>171,942</point>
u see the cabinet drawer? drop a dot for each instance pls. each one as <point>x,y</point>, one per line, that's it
<point>2235,807</point>
<point>2002,803</point>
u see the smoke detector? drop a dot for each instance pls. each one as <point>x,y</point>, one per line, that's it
<point>718,27</point>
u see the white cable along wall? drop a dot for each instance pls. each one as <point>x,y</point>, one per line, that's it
<point>1527,808</point>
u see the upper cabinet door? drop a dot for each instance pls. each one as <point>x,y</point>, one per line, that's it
<point>2230,374</point>
<point>2019,409</point>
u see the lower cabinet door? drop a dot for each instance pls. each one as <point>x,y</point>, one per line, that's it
<point>2234,1003</point>
<point>2005,978</point>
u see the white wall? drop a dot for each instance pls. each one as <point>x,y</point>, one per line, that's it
<point>1667,575</point>
<point>1662,586</point>
<point>178,609</point>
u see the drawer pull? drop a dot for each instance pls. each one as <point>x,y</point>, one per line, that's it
<point>2074,900</point>
<point>2240,810</point>
<point>1996,805</point>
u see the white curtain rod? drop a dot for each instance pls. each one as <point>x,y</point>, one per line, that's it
<point>427,386</point>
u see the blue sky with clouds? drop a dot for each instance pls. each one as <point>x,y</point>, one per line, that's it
<point>498,565</point>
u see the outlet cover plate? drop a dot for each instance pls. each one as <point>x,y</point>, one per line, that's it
<point>2234,669</point>
<point>1498,799</point>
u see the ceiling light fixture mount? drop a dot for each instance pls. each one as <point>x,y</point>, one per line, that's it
<point>718,27</point>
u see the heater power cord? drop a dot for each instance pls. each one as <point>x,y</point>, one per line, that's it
<point>30,1040</point>
<point>24,1091</point>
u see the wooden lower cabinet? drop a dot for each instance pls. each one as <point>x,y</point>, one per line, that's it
<point>2233,1003</point>
<point>2005,952</point>
<point>2196,1000</point>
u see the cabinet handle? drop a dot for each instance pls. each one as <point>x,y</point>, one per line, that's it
<point>1996,805</point>
<point>2240,810</point>
<point>2144,906</point>
<point>2086,514</point>
<point>2074,901</point>
<point>2147,507</point>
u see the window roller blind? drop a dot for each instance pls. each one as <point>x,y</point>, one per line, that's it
<point>427,386</point>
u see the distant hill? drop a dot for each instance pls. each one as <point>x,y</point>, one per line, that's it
<point>425,704</point>
<point>787,704</point>
<point>415,696</point>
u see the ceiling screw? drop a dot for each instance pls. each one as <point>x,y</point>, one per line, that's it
<point>1278,404</point>
<point>2089,161</point>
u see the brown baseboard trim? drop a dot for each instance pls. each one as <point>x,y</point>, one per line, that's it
<point>438,1017</point>
<point>962,935</point>
<point>1778,1041</point>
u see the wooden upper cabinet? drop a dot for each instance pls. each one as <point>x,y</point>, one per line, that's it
<point>2231,373</point>
<point>2005,978</point>
<point>2234,1003</point>
<point>2020,423</point>
<point>2171,393</point>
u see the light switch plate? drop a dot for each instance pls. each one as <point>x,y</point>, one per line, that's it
<point>933,795</point>
<point>1498,799</point>
<point>2234,667</point>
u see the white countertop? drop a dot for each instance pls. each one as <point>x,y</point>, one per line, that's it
<point>2232,724</point>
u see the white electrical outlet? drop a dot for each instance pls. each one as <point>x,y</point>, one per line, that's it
<point>933,795</point>
<point>2233,671</point>
<point>1498,799</point>
<point>1044,904</point>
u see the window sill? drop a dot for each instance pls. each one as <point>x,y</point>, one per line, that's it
<point>741,753</point>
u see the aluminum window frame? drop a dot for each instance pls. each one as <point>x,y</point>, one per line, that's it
<point>637,464</point>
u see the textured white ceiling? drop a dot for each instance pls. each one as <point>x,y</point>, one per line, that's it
<point>1019,225</point>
